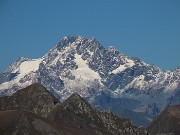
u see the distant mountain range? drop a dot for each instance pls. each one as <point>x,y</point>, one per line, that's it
<point>105,77</point>
<point>34,111</point>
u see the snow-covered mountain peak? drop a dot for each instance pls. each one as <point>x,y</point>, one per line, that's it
<point>78,41</point>
<point>78,64</point>
<point>79,57</point>
<point>70,39</point>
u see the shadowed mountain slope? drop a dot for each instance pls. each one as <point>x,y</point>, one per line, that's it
<point>34,98</point>
<point>76,112</point>
<point>167,122</point>
<point>34,111</point>
<point>19,122</point>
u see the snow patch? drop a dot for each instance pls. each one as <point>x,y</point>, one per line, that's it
<point>129,63</point>
<point>29,66</point>
<point>83,71</point>
<point>25,68</point>
<point>138,83</point>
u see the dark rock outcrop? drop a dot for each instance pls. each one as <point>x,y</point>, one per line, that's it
<point>34,111</point>
<point>168,122</point>
<point>22,122</point>
<point>76,112</point>
<point>34,98</point>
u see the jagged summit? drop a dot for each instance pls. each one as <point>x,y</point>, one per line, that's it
<point>73,38</point>
<point>82,65</point>
<point>76,41</point>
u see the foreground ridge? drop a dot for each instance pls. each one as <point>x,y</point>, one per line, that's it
<point>73,116</point>
<point>34,98</point>
<point>77,112</point>
<point>167,122</point>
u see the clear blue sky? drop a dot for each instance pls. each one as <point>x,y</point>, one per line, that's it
<point>148,29</point>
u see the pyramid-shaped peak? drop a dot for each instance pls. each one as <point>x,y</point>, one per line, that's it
<point>34,88</point>
<point>75,97</point>
<point>76,103</point>
<point>35,98</point>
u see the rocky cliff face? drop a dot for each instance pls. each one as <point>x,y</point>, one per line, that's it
<point>107,78</point>
<point>35,98</point>
<point>78,113</point>
<point>168,122</point>
<point>36,114</point>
